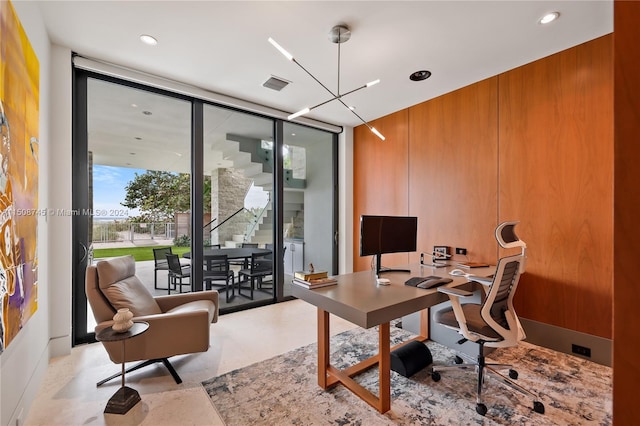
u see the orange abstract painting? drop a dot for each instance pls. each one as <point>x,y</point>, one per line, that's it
<point>19,122</point>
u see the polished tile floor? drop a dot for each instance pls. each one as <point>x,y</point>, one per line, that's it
<point>68,394</point>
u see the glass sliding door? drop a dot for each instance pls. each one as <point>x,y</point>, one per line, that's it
<point>154,169</point>
<point>238,160</point>
<point>137,149</point>
<point>309,197</point>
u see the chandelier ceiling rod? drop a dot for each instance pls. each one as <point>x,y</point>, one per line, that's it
<point>338,34</point>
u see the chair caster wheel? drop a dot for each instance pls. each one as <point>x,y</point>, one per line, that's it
<point>435,376</point>
<point>458,360</point>
<point>513,374</point>
<point>538,407</point>
<point>481,409</point>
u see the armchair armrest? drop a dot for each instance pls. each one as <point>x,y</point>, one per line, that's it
<point>169,302</point>
<point>454,292</point>
<point>169,334</point>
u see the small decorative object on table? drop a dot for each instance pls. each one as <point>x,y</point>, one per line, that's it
<point>122,320</point>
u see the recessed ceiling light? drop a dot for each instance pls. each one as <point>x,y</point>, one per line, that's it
<point>134,105</point>
<point>147,39</point>
<point>420,75</point>
<point>549,17</point>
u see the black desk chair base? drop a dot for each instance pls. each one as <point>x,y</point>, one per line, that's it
<point>484,369</point>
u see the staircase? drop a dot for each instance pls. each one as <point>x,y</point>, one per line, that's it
<point>256,163</point>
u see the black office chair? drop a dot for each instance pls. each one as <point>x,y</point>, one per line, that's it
<point>260,267</point>
<point>160,264</point>
<point>492,323</point>
<point>220,272</point>
<point>177,272</point>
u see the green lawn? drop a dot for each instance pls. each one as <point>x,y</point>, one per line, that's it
<point>139,253</point>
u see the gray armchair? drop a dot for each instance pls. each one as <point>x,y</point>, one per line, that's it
<point>178,324</point>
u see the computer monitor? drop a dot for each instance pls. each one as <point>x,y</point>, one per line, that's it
<point>387,234</point>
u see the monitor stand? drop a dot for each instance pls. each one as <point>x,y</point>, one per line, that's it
<point>381,269</point>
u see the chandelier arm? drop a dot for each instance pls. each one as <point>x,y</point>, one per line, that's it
<point>373,130</point>
<point>337,97</point>
<point>313,77</point>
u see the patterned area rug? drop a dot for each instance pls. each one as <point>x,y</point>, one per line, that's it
<point>283,390</point>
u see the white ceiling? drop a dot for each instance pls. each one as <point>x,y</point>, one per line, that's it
<point>222,46</point>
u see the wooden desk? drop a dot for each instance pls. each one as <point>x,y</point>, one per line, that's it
<point>359,299</point>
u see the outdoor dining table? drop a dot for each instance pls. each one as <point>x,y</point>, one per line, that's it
<point>231,253</point>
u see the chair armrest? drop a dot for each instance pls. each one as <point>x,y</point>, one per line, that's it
<point>169,302</point>
<point>481,280</point>
<point>454,292</point>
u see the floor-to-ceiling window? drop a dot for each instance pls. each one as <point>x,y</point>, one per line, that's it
<point>156,169</point>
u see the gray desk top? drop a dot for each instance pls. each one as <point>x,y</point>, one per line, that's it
<point>360,300</point>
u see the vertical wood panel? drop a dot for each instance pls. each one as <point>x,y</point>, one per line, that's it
<point>453,163</point>
<point>380,183</point>
<point>626,320</point>
<point>556,177</point>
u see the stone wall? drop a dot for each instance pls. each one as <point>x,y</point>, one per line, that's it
<point>228,189</point>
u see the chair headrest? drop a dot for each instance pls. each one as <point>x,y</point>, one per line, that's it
<point>114,270</point>
<point>122,288</point>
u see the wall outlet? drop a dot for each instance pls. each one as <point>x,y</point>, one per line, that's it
<point>462,251</point>
<point>581,350</point>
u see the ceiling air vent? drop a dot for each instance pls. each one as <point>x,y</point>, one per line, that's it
<point>275,83</point>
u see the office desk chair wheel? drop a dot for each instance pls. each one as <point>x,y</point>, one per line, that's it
<point>481,409</point>
<point>513,374</point>
<point>538,407</point>
<point>458,360</point>
<point>435,376</point>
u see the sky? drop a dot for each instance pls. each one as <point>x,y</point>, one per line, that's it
<point>108,192</point>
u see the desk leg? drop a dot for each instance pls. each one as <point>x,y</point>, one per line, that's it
<point>323,347</point>
<point>384,368</point>
<point>424,323</point>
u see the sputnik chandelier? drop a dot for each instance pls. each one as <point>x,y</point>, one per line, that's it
<point>338,34</point>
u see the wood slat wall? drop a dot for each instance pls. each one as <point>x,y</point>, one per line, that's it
<point>380,179</point>
<point>453,170</point>
<point>556,177</point>
<point>534,144</point>
<point>626,317</point>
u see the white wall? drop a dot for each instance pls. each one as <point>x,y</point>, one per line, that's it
<point>48,333</point>
<point>24,362</point>
<point>345,200</point>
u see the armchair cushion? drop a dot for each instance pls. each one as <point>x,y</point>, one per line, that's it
<point>123,289</point>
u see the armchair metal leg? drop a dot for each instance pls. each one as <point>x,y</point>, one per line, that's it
<point>138,366</point>
<point>172,370</point>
